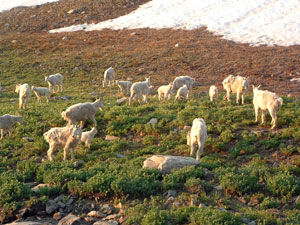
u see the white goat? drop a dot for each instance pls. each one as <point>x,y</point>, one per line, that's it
<point>7,121</point>
<point>213,93</point>
<point>165,91</point>
<point>88,136</point>
<point>197,135</point>
<point>140,90</point>
<point>182,93</point>
<point>266,100</point>
<point>82,111</point>
<point>40,92</point>
<point>124,86</point>
<point>53,80</point>
<point>24,93</point>
<point>182,80</point>
<point>67,137</point>
<point>109,76</point>
<point>236,84</point>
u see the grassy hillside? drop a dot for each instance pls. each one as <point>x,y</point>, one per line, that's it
<point>257,168</point>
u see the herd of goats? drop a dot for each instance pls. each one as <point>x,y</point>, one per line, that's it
<point>70,136</point>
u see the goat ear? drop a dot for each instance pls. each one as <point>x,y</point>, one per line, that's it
<point>259,86</point>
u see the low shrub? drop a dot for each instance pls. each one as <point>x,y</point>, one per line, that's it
<point>155,216</point>
<point>269,203</point>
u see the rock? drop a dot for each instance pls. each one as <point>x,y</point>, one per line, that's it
<point>78,164</point>
<point>94,93</point>
<point>132,34</point>
<point>187,128</point>
<point>167,163</point>
<point>218,188</point>
<point>69,202</point>
<point>70,220</point>
<point>252,223</point>
<point>153,121</point>
<point>29,139</point>
<point>59,198</point>
<point>25,223</point>
<point>22,213</point>
<point>121,100</point>
<point>111,138</point>
<point>65,98</point>
<point>112,217</point>
<point>65,38</point>
<point>61,205</point>
<point>14,41</point>
<point>57,216</point>
<point>176,204</point>
<point>202,205</point>
<point>90,219</point>
<point>96,214</point>
<point>36,188</point>
<point>107,209</point>
<point>106,223</point>
<point>121,156</point>
<point>129,79</point>
<point>245,220</point>
<point>71,11</point>
<point>297,199</point>
<point>51,206</point>
<point>223,210</point>
<point>177,45</point>
<point>170,193</point>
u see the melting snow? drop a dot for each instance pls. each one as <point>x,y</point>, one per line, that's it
<point>259,22</point>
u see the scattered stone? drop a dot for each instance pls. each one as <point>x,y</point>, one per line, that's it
<point>72,11</point>
<point>187,128</point>
<point>223,210</point>
<point>69,202</point>
<point>153,121</point>
<point>252,223</point>
<point>121,100</point>
<point>90,219</point>
<point>57,216</point>
<point>51,206</point>
<point>65,98</point>
<point>25,223</point>
<point>59,198</point>
<point>218,188</point>
<point>29,139</point>
<point>111,138</point>
<point>167,163</point>
<point>121,156</point>
<point>245,220</point>
<point>129,79</point>
<point>112,217</point>
<point>242,200</point>
<point>177,45</point>
<point>14,41</point>
<point>176,204</point>
<point>106,223</point>
<point>78,164</point>
<point>96,214</point>
<point>170,193</point>
<point>297,199</point>
<point>132,34</point>
<point>107,209</point>
<point>70,220</point>
<point>202,205</point>
<point>94,93</point>
<point>61,205</point>
<point>36,188</point>
<point>65,38</point>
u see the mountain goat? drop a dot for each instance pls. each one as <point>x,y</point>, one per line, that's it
<point>109,76</point>
<point>236,84</point>
<point>165,91</point>
<point>182,80</point>
<point>82,111</point>
<point>266,100</point>
<point>182,93</point>
<point>67,137</point>
<point>88,136</point>
<point>124,86</point>
<point>197,135</point>
<point>24,93</point>
<point>40,92</point>
<point>53,80</point>
<point>213,93</point>
<point>7,121</point>
<point>140,90</point>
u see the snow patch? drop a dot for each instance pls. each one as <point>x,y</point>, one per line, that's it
<point>259,22</point>
<point>9,4</point>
